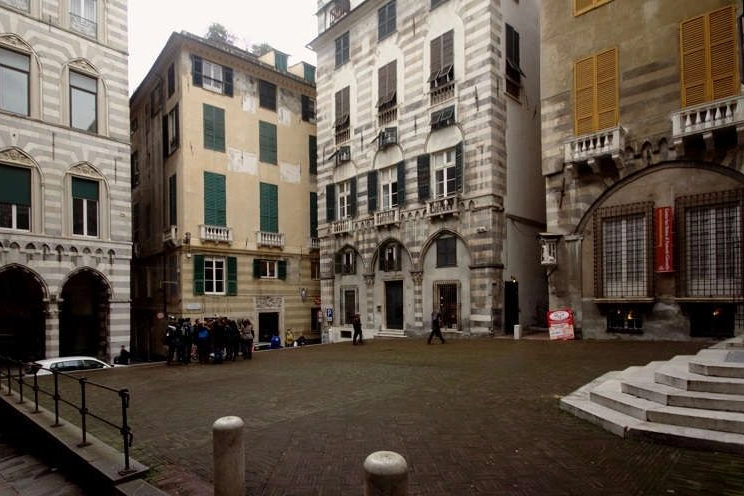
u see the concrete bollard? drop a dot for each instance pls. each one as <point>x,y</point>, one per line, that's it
<point>385,474</point>
<point>517,331</point>
<point>229,456</point>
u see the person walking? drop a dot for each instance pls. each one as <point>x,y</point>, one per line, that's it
<point>436,327</point>
<point>246,339</point>
<point>357,324</point>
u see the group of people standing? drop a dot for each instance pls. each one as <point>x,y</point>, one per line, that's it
<point>219,339</point>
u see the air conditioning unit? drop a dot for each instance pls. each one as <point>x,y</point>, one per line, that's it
<point>343,154</point>
<point>388,136</point>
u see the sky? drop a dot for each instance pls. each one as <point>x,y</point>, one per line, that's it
<point>287,25</point>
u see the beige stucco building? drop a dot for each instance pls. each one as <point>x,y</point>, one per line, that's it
<point>642,119</point>
<point>65,224</point>
<point>223,159</point>
<point>430,195</point>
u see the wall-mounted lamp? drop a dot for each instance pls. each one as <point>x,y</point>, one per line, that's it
<point>187,243</point>
<point>303,294</point>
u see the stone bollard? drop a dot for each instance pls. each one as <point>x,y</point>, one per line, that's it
<point>385,474</point>
<point>517,331</point>
<point>229,456</point>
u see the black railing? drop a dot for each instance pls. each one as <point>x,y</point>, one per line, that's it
<point>23,374</point>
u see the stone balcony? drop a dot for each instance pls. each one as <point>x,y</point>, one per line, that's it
<point>589,147</point>
<point>272,239</point>
<point>313,243</point>
<point>342,226</point>
<point>707,117</point>
<point>441,207</point>
<point>387,217</point>
<point>217,234</point>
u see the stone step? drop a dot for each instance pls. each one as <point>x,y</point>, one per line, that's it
<point>390,333</point>
<point>719,363</point>
<point>677,374</point>
<point>671,396</point>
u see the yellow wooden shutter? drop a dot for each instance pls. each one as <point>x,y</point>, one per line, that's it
<point>584,96</point>
<point>606,84</point>
<point>722,30</point>
<point>693,61</point>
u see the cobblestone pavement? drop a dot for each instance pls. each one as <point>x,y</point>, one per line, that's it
<point>471,417</point>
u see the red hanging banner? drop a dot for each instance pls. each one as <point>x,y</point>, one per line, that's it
<point>664,240</point>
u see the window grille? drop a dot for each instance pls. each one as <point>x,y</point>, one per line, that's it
<point>449,308</point>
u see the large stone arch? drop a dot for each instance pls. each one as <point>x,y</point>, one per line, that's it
<point>23,294</point>
<point>85,299</point>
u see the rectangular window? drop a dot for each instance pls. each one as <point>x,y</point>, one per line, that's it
<point>386,20</point>
<point>312,145</point>
<point>513,70</point>
<point>172,200</point>
<point>15,198</point>
<point>214,128</point>
<point>268,269</point>
<point>315,269</point>
<point>389,187</point>
<point>211,76</point>
<point>267,142</point>
<point>84,207</point>
<point>624,318</point>
<point>269,204</point>
<point>342,49</point>
<point>443,118</point>
<point>343,196</point>
<point>83,17</point>
<point>449,306</point>
<point>308,108</point>
<point>215,210</point>
<point>387,84</point>
<point>214,275</point>
<point>596,92</point>
<point>83,102</point>
<point>342,124</point>
<point>390,258</point>
<point>709,57</point>
<point>309,73</point>
<point>348,262</point>
<point>171,132</point>
<point>267,95</point>
<point>14,82</point>
<point>349,302</point>
<point>447,251</point>
<point>171,80</point>
<point>582,6</point>
<point>442,65</point>
<point>624,256</point>
<point>313,214</point>
<point>445,173</point>
<point>280,61</point>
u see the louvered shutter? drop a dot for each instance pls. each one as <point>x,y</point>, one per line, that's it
<point>330,203</point>
<point>208,125</point>
<point>607,88</point>
<point>448,48</point>
<point>401,183</point>
<point>424,177</point>
<point>372,191</point>
<point>256,268</point>
<point>232,276</point>
<point>435,53</point>
<point>694,63</point>
<point>269,204</point>
<point>219,129</point>
<point>281,269</point>
<point>313,214</point>
<point>584,96</point>
<point>227,81</point>
<point>581,5</point>
<point>196,70</point>
<point>352,197</point>
<point>723,54</point>
<point>458,167</point>
<point>198,274</point>
<point>165,136</point>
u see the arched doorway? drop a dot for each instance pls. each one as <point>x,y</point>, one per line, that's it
<point>22,314</point>
<point>83,317</point>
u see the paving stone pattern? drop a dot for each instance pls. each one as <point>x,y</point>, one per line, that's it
<point>471,417</point>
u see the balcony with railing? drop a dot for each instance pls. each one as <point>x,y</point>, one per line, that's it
<point>708,117</point>
<point>17,4</point>
<point>441,207</point>
<point>591,146</point>
<point>273,239</point>
<point>313,243</point>
<point>82,25</point>
<point>442,93</point>
<point>342,226</point>
<point>387,217</point>
<point>387,116</point>
<point>217,234</point>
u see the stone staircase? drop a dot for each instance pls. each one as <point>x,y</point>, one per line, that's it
<point>390,333</point>
<point>691,400</point>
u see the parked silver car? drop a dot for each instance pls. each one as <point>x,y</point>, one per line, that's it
<point>68,364</point>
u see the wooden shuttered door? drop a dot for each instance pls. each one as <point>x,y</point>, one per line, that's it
<point>596,92</point>
<point>708,57</point>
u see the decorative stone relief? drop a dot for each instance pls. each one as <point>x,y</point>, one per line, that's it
<point>268,302</point>
<point>14,155</point>
<point>85,169</point>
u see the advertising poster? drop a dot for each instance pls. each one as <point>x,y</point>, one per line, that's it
<point>561,324</point>
<point>664,241</point>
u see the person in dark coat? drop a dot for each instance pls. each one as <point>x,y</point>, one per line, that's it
<point>436,327</point>
<point>357,324</point>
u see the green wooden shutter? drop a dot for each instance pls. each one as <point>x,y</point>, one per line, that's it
<point>401,183</point>
<point>215,211</point>
<point>196,70</point>
<point>309,72</point>
<point>84,188</point>
<point>424,177</point>
<point>372,190</point>
<point>267,142</point>
<point>256,268</point>
<point>208,124</point>
<point>15,185</point>
<point>165,136</point>
<point>227,81</point>
<point>458,167</point>
<point>281,272</point>
<point>219,129</point>
<point>352,197</point>
<point>172,200</point>
<point>313,154</point>
<point>269,204</point>
<point>330,202</point>
<point>232,276</point>
<point>198,274</point>
<point>314,214</point>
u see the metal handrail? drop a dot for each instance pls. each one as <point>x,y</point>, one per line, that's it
<point>8,367</point>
